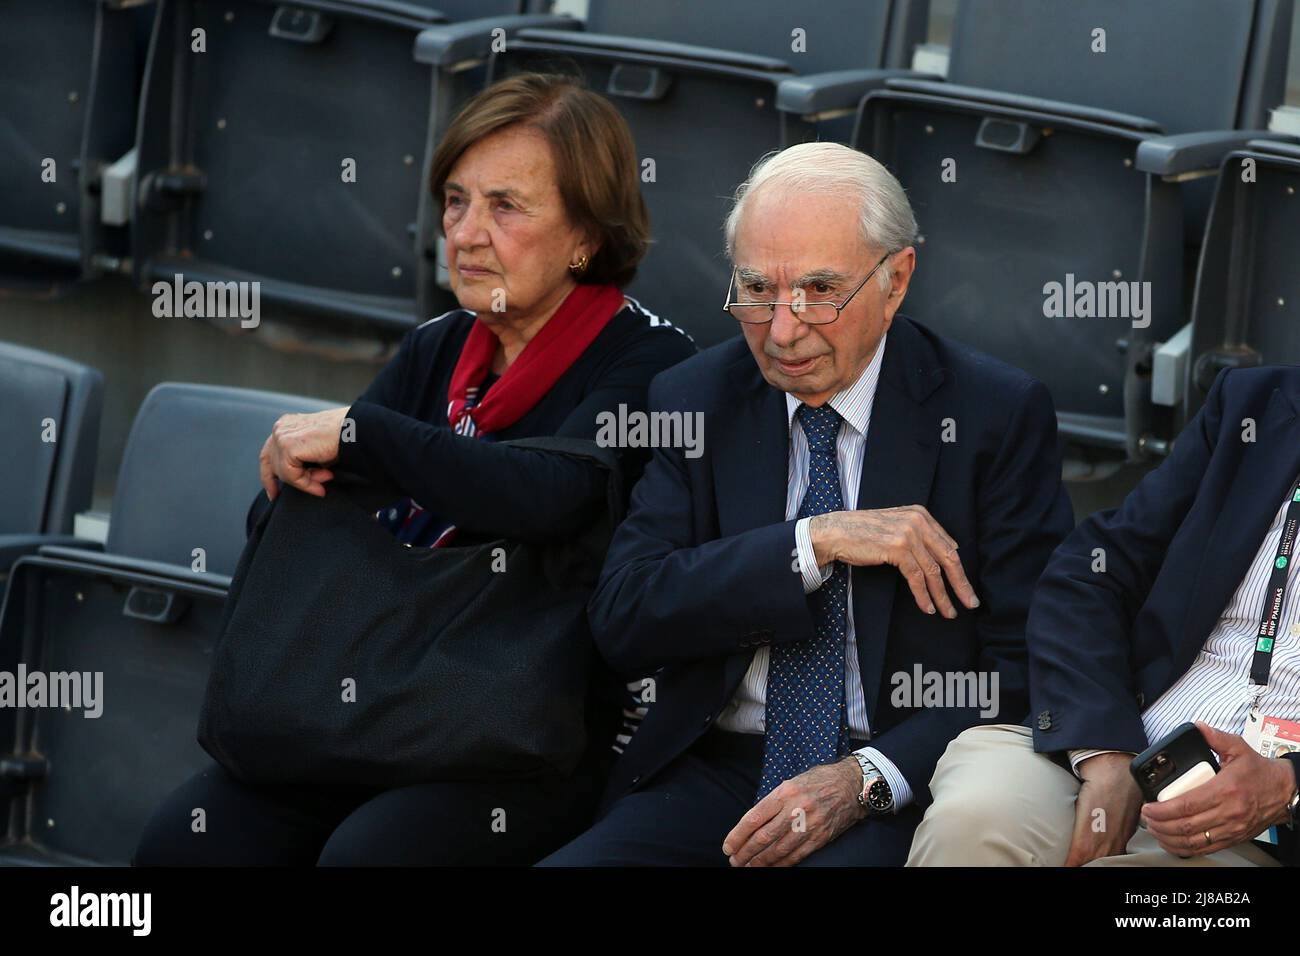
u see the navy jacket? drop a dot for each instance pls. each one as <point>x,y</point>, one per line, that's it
<point>1103,645</point>
<point>702,571</point>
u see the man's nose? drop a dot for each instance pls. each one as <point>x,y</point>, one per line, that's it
<point>786,328</point>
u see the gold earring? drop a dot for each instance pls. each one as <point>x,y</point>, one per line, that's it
<point>579,267</point>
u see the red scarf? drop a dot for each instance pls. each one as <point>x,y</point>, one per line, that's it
<point>580,318</point>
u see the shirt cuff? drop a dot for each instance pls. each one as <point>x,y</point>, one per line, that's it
<point>813,576</point>
<point>898,787</point>
<point>1079,756</point>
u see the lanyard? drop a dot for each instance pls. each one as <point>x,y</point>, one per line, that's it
<point>1261,663</point>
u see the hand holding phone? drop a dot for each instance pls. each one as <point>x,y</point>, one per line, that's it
<point>1180,761</point>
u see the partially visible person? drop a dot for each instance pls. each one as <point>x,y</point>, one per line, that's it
<point>1180,605</point>
<point>538,186</point>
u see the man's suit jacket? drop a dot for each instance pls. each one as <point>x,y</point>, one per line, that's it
<point>1104,645</point>
<point>703,570</point>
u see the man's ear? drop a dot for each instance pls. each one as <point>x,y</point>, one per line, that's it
<point>901,266</point>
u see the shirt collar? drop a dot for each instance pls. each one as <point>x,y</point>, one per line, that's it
<point>853,403</point>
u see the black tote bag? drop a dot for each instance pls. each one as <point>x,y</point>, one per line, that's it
<point>347,659</point>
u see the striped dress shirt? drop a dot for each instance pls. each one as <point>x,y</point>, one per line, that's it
<point>1216,689</point>
<point>748,708</point>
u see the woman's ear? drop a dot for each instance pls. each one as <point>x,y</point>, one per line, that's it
<point>588,245</point>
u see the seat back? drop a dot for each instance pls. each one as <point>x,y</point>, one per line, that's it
<point>1039,233</point>
<point>1183,63</point>
<point>190,472</point>
<point>456,11</point>
<point>1246,309</point>
<point>843,35</point>
<point>49,430</point>
<point>290,153</point>
<point>69,89</point>
<point>45,86</point>
<point>122,735</point>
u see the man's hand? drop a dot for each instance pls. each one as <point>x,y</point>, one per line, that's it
<point>300,450</point>
<point>1248,795</point>
<point>909,539</point>
<point>1107,786</point>
<point>800,816</point>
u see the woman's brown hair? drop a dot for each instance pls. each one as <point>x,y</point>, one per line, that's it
<point>595,161</point>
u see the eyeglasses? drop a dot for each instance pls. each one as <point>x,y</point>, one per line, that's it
<point>810,310</point>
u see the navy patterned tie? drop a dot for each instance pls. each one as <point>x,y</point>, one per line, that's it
<point>805,717</point>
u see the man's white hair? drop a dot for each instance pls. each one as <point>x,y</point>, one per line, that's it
<point>885,216</point>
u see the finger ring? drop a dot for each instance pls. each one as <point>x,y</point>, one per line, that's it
<point>1208,841</point>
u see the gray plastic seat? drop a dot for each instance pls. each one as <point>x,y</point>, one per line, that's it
<point>49,430</point>
<point>241,150</point>
<point>68,92</point>
<point>706,92</point>
<point>190,470</point>
<point>1246,308</point>
<point>145,614</point>
<point>840,36</point>
<point>1075,165</point>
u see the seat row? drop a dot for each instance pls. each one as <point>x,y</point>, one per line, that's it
<point>1096,148</point>
<point>132,619</point>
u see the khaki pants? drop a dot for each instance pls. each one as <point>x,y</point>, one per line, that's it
<point>998,803</point>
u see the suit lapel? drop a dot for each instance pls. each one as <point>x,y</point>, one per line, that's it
<point>902,451</point>
<point>751,464</point>
<point>752,458</point>
<point>1268,467</point>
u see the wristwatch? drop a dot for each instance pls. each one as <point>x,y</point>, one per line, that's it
<point>876,797</point>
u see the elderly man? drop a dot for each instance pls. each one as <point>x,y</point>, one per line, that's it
<point>789,588</point>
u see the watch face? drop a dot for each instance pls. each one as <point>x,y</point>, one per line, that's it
<point>879,796</point>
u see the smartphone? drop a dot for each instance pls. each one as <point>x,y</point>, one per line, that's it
<point>1174,764</point>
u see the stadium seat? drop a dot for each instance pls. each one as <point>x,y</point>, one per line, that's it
<point>706,93</point>
<point>841,35</point>
<point>69,85</point>
<point>455,11</point>
<point>1065,148</point>
<point>243,169</point>
<point>145,614</point>
<point>1246,309</point>
<point>49,430</point>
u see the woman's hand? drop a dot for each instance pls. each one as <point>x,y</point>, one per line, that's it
<point>300,450</point>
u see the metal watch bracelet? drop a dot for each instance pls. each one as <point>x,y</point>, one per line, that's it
<point>870,772</point>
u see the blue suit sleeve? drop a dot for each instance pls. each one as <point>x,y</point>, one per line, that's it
<point>1081,617</point>
<point>662,599</point>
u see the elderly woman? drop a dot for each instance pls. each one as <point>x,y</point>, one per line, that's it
<point>544,222</point>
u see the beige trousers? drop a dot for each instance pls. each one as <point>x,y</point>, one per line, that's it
<point>998,803</point>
